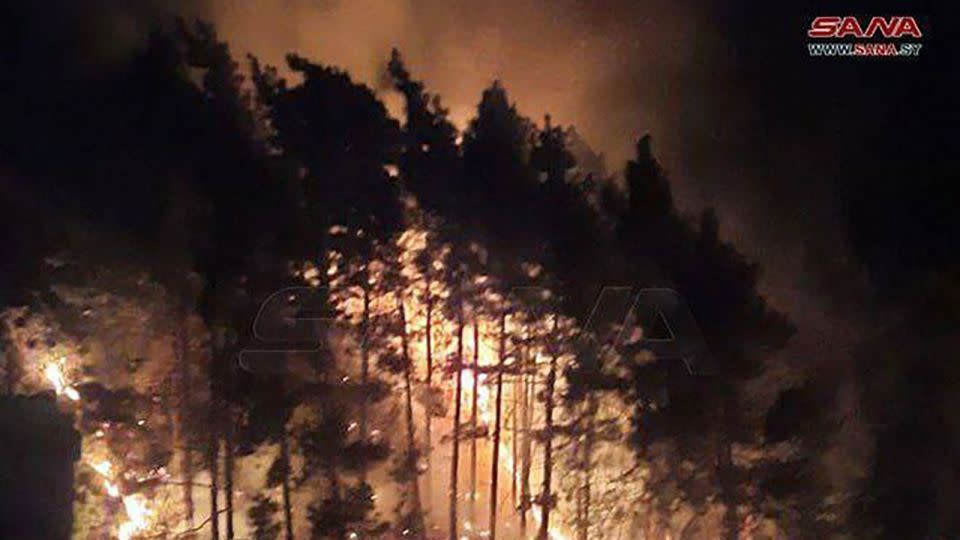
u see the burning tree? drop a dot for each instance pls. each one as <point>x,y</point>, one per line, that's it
<point>419,290</point>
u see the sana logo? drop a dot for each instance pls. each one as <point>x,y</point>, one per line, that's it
<point>849,26</point>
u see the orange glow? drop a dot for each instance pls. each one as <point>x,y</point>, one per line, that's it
<point>54,373</point>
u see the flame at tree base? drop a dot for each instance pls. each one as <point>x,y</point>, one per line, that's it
<point>136,508</point>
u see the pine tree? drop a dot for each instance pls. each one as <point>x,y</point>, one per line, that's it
<point>720,288</point>
<point>547,499</point>
<point>429,266</point>
<point>414,521</point>
<point>457,400</point>
<point>498,412</point>
<point>474,397</point>
<point>180,439</point>
<point>429,161</point>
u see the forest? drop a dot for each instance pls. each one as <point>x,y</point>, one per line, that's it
<point>269,309</point>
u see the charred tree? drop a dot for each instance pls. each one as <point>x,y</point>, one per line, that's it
<point>428,412</point>
<point>498,408</point>
<point>213,457</point>
<point>725,469</point>
<point>527,444</point>
<point>180,438</point>
<point>228,466</point>
<point>473,415</point>
<point>412,454</point>
<point>546,496</point>
<point>285,485</point>
<point>515,432</point>
<point>364,372</point>
<point>585,496</point>
<point>455,459</point>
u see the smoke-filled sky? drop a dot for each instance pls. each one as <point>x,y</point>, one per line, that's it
<point>742,118</point>
<point>720,87</point>
<point>615,70</point>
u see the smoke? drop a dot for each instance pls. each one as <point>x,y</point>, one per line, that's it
<point>615,70</point>
<point>574,60</point>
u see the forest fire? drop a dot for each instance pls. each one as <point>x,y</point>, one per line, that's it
<point>487,436</point>
<point>135,506</point>
<point>275,303</point>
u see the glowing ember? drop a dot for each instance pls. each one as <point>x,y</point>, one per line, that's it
<point>103,468</point>
<point>54,374</point>
<point>111,488</point>
<point>135,506</point>
<point>137,515</point>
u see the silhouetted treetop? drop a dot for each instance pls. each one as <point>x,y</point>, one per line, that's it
<point>342,139</point>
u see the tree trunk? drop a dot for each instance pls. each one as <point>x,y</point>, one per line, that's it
<point>527,445</point>
<point>181,441</point>
<point>333,478</point>
<point>213,457</point>
<point>473,417</point>
<point>727,475</point>
<point>546,496</point>
<point>455,459</point>
<point>417,504</point>
<point>285,485</point>
<point>364,374</point>
<point>228,470</point>
<point>515,433</point>
<point>586,466</point>
<point>495,461</point>
<point>428,421</point>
